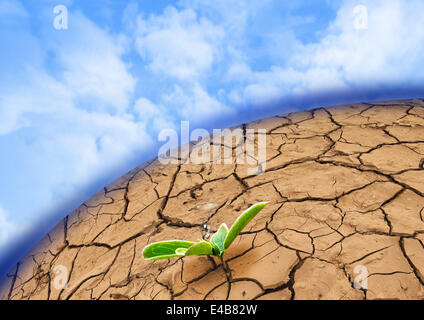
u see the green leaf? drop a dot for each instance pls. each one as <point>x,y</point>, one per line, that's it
<point>200,248</point>
<point>242,221</point>
<point>219,237</point>
<point>166,249</point>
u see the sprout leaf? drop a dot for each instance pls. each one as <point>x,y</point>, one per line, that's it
<point>219,237</point>
<point>200,248</point>
<point>242,221</point>
<point>166,249</point>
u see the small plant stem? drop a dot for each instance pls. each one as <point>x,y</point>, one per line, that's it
<point>226,269</point>
<point>224,265</point>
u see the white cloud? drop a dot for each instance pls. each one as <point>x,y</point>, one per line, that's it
<point>387,53</point>
<point>211,37</point>
<point>187,46</point>
<point>92,65</point>
<point>234,17</point>
<point>195,104</point>
<point>77,119</point>
<point>90,74</point>
<point>178,43</point>
<point>9,230</point>
<point>78,144</point>
<point>155,115</point>
<point>38,94</point>
<point>89,146</point>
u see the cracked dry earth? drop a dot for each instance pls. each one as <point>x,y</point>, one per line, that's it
<point>346,189</point>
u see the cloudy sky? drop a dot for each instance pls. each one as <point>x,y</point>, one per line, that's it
<point>80,106</point>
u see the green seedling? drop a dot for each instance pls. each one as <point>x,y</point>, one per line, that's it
<point>217,245</point>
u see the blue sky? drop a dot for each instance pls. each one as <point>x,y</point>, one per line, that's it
<point>80,107</point>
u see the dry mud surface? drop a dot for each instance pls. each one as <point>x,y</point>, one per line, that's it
<point>346,191</point>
